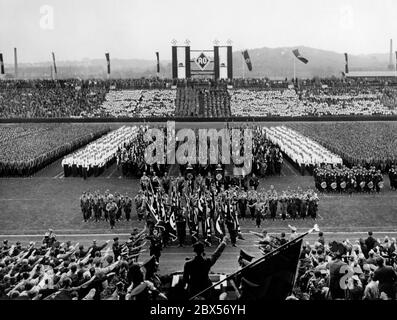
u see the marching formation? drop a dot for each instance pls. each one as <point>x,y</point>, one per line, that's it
<point>93,158</point>
<point>343,179</point>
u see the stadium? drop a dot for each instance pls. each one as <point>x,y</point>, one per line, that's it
<point>198,183</point>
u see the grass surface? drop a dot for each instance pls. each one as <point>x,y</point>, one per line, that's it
<point>31,205</point>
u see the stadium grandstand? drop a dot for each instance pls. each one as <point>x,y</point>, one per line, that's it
<point>278,189</point>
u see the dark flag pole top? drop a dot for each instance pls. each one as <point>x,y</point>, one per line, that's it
<point>284,248</point>
<point>346,63</point>
<point>1,64</point>
<point>108,63</point>
<point>158,62</point>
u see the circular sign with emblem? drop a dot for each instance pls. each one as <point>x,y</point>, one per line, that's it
<point>218,176</point>
<point>202,61</point>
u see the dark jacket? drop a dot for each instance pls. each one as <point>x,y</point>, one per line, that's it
<point>196,271</point>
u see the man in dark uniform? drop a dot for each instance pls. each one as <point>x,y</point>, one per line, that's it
<point>254,181</point>
<point>116,247</point>
<point>252,200</point>
<point>95,248</point>
<point>242,203</point>
<point>181,228</point>
<point>96,207</point>
<point>196,270</point>
<point>166,182</point>
<point>111,209</point>
<point>127,207</point>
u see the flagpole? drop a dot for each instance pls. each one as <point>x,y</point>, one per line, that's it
<point>242,64</point>
<point>272,253</point>
<point>294,70</point>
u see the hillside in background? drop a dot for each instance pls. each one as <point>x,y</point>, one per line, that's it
<point>273,63</point>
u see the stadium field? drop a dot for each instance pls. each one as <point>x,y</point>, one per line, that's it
<point>32,205</point>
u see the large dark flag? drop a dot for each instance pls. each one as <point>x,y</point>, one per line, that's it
<point>108,61</point>
<point>273,277</point>
<point>247,59</point>
<point>1,64</point>
<point>298,55</point>
<point>158,62</point>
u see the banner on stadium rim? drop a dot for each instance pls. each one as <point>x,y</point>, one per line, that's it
<point>158,62</point>
<point>346,63</point>
<point>53,60</point>
<point>247,59</point>
<point>108,61</point>
<point>272,278</point>
<point>1,64</point>
<point>299,56</point>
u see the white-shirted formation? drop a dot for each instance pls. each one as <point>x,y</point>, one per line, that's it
<point>299,148</point>
<point>286,102</point>
<point>101,151</point>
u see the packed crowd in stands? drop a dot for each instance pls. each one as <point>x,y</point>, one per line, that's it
<point>363,144</point>
<point>47,99</point>
<point>202,102</point>
<point>154,97</point>
<point>27,148</point>
<point>367,265</point>
<point>137,104</point>
<point>343,179</point>
<point>361,270</point>
<point>291,102</point>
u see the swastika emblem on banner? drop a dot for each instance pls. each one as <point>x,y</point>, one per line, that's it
<point>202,61</point>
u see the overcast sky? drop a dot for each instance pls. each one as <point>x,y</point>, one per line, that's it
<point>137,28</point>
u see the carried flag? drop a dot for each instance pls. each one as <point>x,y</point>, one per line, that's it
<point>298,55</point>
<point>247,59</point>
<point>158,62</point>
<point>172,225</point>
<point>273,277</point>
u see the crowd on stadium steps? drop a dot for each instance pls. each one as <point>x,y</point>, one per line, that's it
<point>46,100</point>
<point>310,102</point>
<point>202,102</point>
<point>93,158</point>
<point>137,103</point>
<point>362,270</point>
<point>27,149</point>
<point>363,144</point>
<point>154,98</point>
<point>344,179</point>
